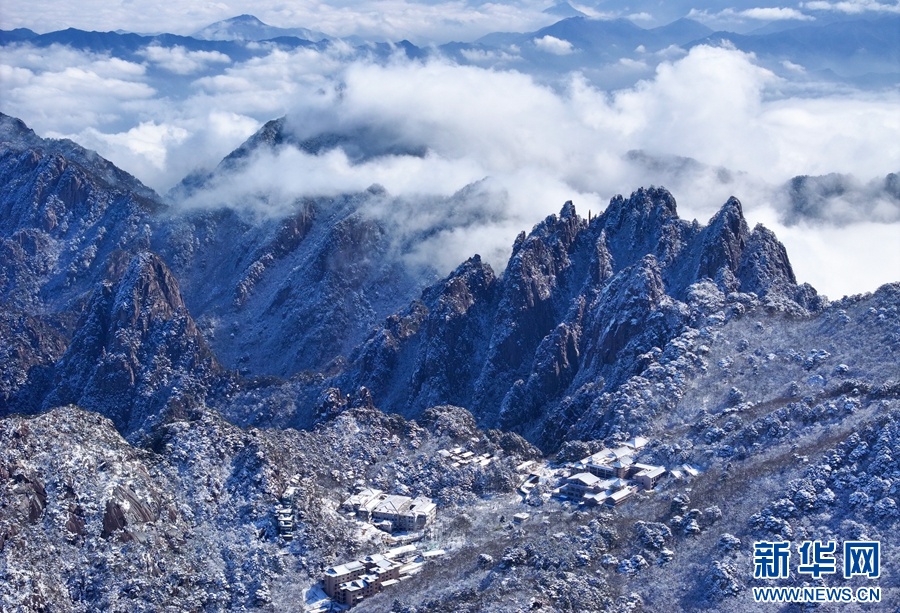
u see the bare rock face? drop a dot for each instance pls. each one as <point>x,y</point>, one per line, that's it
<point>70,484</point>
<point>426,340</point>
<point>67,209</point>
<point>274,296</point>
<point>572,314</point>
<point>724,241</point>
<point>64,213</point>
<point>137,352</point>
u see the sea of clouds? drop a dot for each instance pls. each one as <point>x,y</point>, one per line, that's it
<point>495,150</point>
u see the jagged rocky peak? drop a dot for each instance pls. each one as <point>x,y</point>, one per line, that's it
<point>766,270</point>
<point>147,291</point>
<point>14,132</point>
<point>470,282</point>
<point>577,306</point>
<point>539,259</point>
<point>653,206</point>
<point>724,241</point>
<point>136,351</point>
<point>359,142</point>
<point>16,137</point>
<point>646,222</point>
<point>561,228</point>
<point>65,210</point>
<point>271,135</point>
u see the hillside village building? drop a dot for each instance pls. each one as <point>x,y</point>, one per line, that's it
<point>349,583</point>
<point>611,476</point>
<point>284,514</point>
<point>461,457</point>
<point>394,512</point>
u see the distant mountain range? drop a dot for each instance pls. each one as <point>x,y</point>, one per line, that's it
<point>865,52</point>
<point>248,27</point>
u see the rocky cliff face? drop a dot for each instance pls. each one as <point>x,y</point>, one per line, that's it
<point>293,291</point>
<point>283,295</point>
<point>64,214</point>
<point>576,307</point>
<point>63,211</point>
<point>273,296</point>
<point>137,354</point>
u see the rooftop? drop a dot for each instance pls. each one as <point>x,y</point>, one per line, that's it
<point>344,569</point>
<point>393,503</point>
<point>585,478</point>
<point>653,471</point>
<point>637,442</point>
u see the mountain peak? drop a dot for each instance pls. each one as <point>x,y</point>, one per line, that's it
<point>245,18</point>
<point>564,10</point>
<point>136,350</point>
<point>250,28</point>
<point>14,131</point>
<point>724,242</point>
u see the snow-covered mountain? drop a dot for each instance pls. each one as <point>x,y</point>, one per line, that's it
<point>248,27</point>
<point>159,324</point>
<point>855,49</point>
<point>573,315</point>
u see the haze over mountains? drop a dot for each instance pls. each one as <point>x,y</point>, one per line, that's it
<point>609,103</point>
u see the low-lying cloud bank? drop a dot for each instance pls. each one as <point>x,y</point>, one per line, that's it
<point>710,124</point>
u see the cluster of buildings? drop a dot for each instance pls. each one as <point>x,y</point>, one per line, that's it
<point>349,583</point>
<point>284,514</point>
<point>391,512</point>
<point>460,457</point>
<point>684,471</point>
<point>611,476</point>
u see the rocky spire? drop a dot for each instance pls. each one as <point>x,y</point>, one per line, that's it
<point>135,350</point>
<point>724,240</point>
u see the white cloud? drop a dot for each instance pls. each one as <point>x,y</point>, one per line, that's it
<point>731,17</point>
<point>478,56</point>
<point>775,14</point>
<point>789,65</point>
<point>148,140</point>
<point>181,61</point>
<point>853,7</point>
<point>556,46</point>
<point>60,91</point>
<point>527,146</point>
<point>633,64</point>
<point>539,147</point>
